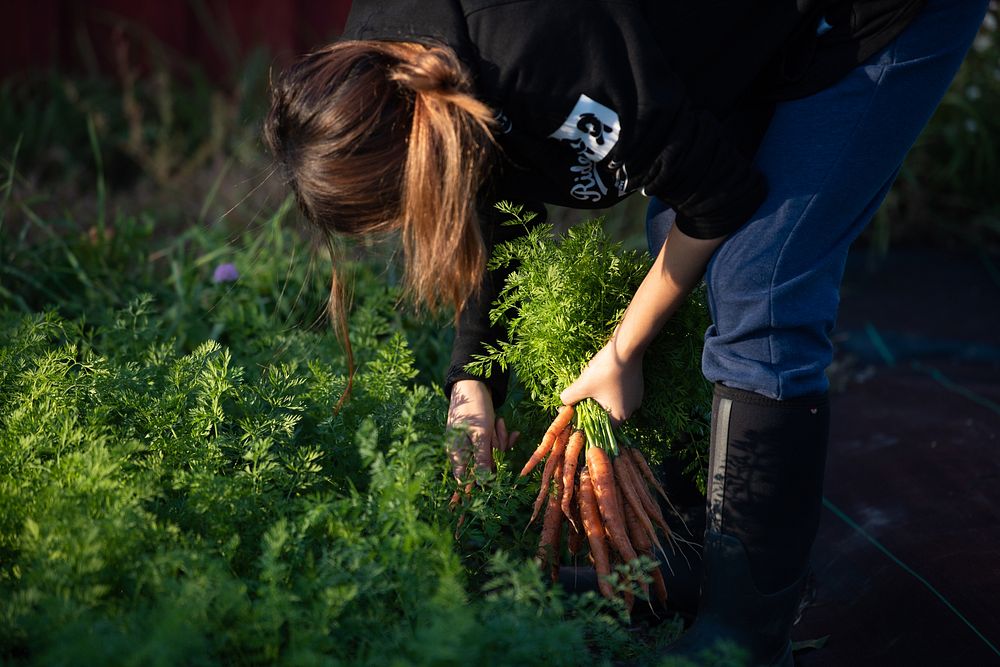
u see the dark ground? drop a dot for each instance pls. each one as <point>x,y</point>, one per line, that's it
<point>914,462</point>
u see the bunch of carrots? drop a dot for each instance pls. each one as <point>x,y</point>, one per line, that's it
<point>609,502</point>
<point>560,303</point>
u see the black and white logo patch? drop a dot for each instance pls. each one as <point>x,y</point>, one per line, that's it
<point>592,126</point>
<point>592,130</point>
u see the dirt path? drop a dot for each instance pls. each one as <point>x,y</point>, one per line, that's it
<point>908,555</point>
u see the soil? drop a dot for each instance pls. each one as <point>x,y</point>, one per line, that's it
<point>907,559</point>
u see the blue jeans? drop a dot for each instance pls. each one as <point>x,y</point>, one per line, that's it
<point>829,159</point>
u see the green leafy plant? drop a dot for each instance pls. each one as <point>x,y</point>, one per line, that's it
<point>560,305</point>
<point>175,487</point>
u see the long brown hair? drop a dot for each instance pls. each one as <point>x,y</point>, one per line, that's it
<point>378,136</point>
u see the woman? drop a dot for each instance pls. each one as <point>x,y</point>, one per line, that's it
<point>766,134</point>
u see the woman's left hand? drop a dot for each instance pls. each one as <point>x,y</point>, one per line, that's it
<point>480,431</point>
<point>611,378</point>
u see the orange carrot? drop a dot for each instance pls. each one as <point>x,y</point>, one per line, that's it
<point>649,503</point>
<point>456,499</point>
<point>643,546</point>
<point>590,516</point>
<point>603,480</point>
<point>575,540</point>
<point>659,586</point>
<point>643,467</point>
<point>629,600</point>
<point>549,439</point>
<point>623,504</point>
<point>626,482</point>
<point>555,460</point>
<point>548,545</point>
<point>636,532</point>
<point>621,499</point>
<point>573,449</point>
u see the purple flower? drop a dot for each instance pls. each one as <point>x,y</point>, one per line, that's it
<point>225,273</point>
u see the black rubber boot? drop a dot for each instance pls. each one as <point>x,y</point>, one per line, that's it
<point>764,494</point>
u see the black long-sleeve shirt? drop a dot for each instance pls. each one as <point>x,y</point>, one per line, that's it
<point>599,98</point>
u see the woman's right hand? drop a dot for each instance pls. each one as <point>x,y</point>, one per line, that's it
<point>613,379</point>
<point>471,410</point>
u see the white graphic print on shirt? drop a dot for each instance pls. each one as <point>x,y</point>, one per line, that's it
<point>592,130</point>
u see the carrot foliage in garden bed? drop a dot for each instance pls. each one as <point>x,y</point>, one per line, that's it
<point>176,489</point>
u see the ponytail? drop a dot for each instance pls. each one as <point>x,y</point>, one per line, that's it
<point>380,136</point>
<point>446,157</point>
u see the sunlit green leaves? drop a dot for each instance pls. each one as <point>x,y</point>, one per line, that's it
<point>177,487</point>
<point>560,305</point>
